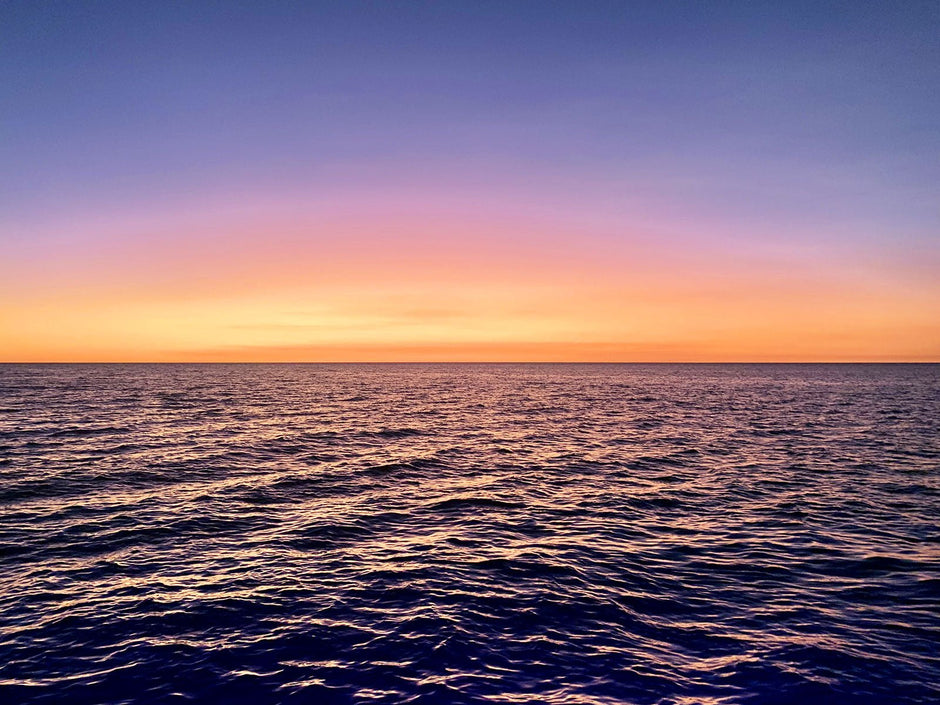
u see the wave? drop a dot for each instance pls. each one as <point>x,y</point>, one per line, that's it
<point>572,535</point>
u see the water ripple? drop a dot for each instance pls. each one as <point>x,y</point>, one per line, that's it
<point>577,534</point>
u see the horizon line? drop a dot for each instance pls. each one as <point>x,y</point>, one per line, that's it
<point>470,362</point>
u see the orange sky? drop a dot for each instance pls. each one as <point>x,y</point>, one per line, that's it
<point>393,286</point>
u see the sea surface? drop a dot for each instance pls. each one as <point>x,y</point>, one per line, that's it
<point>470,534</point>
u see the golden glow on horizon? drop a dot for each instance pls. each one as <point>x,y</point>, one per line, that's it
<point>375,292</point>
<point>496,321</point>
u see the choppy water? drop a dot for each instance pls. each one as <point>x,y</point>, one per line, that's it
<point>460,533</point>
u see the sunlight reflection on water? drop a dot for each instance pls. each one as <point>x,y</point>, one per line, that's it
<point>469,533</point>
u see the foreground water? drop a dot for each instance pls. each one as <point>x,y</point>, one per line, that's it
<point>461,533</point>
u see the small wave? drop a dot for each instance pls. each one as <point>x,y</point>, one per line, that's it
<point>80,431</point>
<point>469,503</point>
<point>396,433</point>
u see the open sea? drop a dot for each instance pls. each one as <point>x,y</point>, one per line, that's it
<point>577,534</point>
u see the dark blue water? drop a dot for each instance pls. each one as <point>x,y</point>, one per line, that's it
<point>460,533</point>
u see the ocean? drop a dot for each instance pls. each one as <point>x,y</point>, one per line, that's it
<point>493,533</point>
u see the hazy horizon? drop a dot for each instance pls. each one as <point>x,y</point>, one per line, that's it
<point>638,363</point>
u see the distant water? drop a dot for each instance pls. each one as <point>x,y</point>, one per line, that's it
<point>470,534</point>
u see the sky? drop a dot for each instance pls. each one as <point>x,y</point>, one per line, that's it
<point>504,181</point>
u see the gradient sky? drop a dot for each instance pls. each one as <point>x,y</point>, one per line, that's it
<point>469,181</point>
